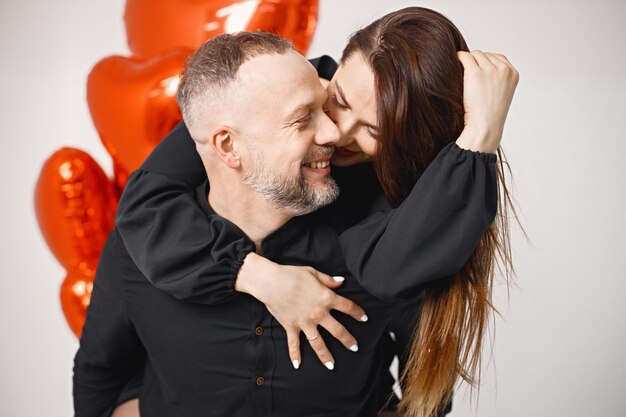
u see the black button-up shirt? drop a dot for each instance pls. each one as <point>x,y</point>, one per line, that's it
<point>229,359</point>
<point>209,360</point>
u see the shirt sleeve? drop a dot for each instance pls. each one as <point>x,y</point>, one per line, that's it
<point>432,234</point>
<point>170,238</point>
<point>110,355</point>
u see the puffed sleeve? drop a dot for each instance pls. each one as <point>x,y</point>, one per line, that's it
<point>169,237</point>
<point>110,355</point>
<point>432,234</point>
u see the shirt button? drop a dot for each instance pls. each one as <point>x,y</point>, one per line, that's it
<point>260,381</point>
<point>258,331</point>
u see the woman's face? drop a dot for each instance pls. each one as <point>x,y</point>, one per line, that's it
<point>352,106</point>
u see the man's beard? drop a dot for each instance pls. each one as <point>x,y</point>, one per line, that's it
<point>293,194</point>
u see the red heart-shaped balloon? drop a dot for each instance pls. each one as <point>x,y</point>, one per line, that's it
<point>153,27</point>
<point>133,104</point>
<point>75,205</point>
<point>76,294</point>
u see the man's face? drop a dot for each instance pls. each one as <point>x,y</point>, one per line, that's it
<point>286,139</point>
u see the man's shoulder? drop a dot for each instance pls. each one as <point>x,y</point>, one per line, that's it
<point>176,156</point>
<point>115,261</point>
<point>114,244</point>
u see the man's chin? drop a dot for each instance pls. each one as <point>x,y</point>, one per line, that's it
<point>324,192</point>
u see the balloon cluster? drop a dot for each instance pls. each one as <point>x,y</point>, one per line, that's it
<point>132,105</point>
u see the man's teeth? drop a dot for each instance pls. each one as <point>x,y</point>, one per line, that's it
<point>320,164</point>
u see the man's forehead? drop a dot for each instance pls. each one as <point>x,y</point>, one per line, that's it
<point>288,81</point>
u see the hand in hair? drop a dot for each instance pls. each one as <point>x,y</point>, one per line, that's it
<point>489,82</point>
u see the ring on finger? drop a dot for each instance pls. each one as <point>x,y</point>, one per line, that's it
<point>310,339</point>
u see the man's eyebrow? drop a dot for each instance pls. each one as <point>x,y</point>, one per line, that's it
<point>344,102</point>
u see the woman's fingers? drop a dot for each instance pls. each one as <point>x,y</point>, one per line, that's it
<point>479,59</point>
<point>340,333</point>
<point>503,65</point>
<point>467,60</point>
<point>327,280</point>
<point>317,343</point>
<point>293,342</point>
<point>338,302</point>
<point>503,59</point>
<point>483,60</point>
<point>348,307</point>
<point>491,60</point>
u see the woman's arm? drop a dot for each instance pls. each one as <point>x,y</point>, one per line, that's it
<point>432,234</point>
<point>167,234</point>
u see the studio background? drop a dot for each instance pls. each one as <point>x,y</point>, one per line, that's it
<point>560,350</point>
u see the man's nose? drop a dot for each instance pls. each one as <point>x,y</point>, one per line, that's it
<point>346,126</point>
<point>328,133</point>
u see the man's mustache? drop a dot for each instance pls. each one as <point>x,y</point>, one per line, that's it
<point>323,152</point>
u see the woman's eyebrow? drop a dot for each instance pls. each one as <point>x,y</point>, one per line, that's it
<point>346,104</point>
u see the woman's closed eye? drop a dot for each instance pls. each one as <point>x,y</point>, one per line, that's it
<point>373,133</point>
<point>337,103</point>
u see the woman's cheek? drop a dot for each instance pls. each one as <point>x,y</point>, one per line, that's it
<point>369,146</point>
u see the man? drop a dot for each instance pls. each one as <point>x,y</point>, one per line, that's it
<point>266,157</point>
<point>255,111</point>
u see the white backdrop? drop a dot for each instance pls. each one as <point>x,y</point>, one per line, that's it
<point>560,350</point>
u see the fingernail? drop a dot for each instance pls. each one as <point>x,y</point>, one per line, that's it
<point>364,317</point>
<point>330,365</point>
<point>339,279</point>
<point>354,347</point>
<point>296,363</point>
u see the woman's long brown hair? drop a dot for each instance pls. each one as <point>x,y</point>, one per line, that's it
<point>419,94</point>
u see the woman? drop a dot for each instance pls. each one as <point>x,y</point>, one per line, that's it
<point>398,99</point>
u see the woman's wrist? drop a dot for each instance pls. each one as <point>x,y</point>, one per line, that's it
<point>479,139</point>
<point>254,276</point>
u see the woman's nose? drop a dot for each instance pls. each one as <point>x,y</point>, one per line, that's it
<point>346,129</point>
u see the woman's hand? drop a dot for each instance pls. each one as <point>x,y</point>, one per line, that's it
<point>489,82</point>
<point>300,298</point>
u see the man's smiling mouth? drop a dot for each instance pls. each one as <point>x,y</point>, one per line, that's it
<point>317,164</point>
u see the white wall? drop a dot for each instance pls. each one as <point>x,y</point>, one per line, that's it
<point>560,349</point>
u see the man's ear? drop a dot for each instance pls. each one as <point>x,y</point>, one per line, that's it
<point>222,140</point>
